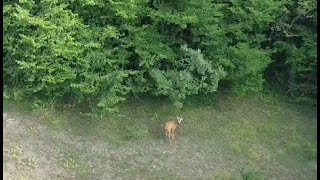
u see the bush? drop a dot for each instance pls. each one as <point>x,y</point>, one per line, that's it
<point>100,52</point>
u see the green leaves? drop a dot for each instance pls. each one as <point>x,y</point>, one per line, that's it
<point>101,51</point>
<point>197,76</point>
<point>294,40</point>
<point>250,64</point>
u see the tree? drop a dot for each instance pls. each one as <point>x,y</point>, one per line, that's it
<point>102,51</point>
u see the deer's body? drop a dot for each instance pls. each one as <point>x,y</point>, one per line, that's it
<point>170,128</point>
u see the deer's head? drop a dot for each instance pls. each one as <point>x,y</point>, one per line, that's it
<point>179,119</point>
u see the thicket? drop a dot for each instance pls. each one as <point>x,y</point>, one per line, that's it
<point>100,51</point>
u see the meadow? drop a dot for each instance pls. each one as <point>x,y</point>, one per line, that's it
<point>219,138</point>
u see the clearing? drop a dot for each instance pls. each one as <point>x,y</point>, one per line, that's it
<point>233,139</point>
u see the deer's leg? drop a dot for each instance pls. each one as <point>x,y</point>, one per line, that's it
<point>169,136</point>
<point>172,135</point>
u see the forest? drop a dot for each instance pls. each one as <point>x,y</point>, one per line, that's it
<point>102,52</point>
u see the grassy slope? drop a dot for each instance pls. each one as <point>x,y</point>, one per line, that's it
<point>270,139</point>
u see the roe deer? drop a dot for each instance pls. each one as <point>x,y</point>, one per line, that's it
<point>170,128</point>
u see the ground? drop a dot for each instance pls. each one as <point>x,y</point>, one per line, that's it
<point>233,139</point>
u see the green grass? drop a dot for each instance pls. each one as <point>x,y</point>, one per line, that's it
<point>15,153</point>
<point>276,138</point>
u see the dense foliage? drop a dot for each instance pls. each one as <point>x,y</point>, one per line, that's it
<point>100,51</point>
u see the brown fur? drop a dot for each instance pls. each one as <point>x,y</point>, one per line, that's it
<point>170,128</point>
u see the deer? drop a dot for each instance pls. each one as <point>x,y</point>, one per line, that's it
<point>170,128</point>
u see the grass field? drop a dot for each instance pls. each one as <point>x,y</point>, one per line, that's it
<point>223,138</point>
